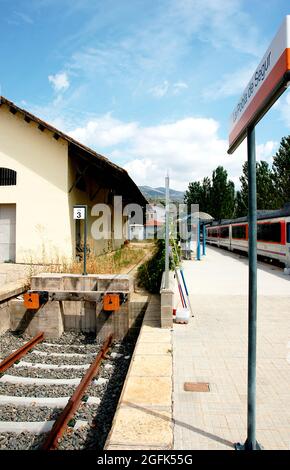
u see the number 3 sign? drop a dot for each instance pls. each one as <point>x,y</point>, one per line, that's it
<point>79,213</point>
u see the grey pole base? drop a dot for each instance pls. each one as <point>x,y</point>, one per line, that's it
<point>248,446</point>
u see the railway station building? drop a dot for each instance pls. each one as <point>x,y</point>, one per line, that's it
<point>44,173</point>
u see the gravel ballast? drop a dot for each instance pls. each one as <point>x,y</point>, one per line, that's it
<point>96,417</point>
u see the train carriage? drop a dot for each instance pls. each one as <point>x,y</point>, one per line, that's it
<point>273,234</point>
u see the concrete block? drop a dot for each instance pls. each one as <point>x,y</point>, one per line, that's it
<point>48,319</point>
<point>117,282</point>
<point>91,281</point>
<point>167,297</point>
<point>166,312</point>
<point>80,282</point>
<point>116,323</point>
<point>73,282</point>
<point>17,312</point>
<point>166,317</point>
<point>4,317</point>
<point>150,349</point>
<point>11,290</point>
<point>71,313</point>
<point>141,391</point>
<point>166,323</point>
<point>142,427</point>
<point>153,365</point>
<point>47,281</point>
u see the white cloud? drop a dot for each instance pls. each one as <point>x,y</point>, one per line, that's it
<point>160,90</point>
<point>165,88</point>
<point>59,81</point>
<point>161,42</point>
<point>178,87</point>
<point>230,84</point>
<point>189,148</point>
<point>283,106</point>
<point>220,23</point>
<point>267,151</point>
<point>104,132</point>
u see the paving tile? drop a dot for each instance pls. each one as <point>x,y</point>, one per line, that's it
<point>151,366</point>
<point>148,391</point>
<point>142,427</point>
<point>213,348</point>
<point>153,348</point>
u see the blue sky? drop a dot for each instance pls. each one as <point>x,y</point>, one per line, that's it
<point>149,83</point>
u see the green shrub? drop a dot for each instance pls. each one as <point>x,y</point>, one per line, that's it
<point>150,273</point>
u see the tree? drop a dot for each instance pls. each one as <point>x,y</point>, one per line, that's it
<point>216,196</point>
<point>281,172</point>
<point>266,193</point>
<point>206,203</point>
<point>199,193</point>
<point>241,209</point>
<point>194,194</point>
<point>222,194</point>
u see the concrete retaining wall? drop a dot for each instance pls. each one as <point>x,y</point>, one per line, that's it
<point>7,292</point>
<point>4,317</point>
<point>167,301</point>
<point>55,317</point>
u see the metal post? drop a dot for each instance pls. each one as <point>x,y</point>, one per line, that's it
<point>198,241</point>
<point>251,443</point>
<point>203,239</point>
<point>167,233</point>
<point>85,241</point>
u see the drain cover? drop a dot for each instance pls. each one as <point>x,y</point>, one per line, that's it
<point>196,386</point>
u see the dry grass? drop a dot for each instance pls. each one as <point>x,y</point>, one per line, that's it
<point>117,262</point>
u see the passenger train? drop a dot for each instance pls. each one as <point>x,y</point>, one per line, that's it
<point>273,234</point>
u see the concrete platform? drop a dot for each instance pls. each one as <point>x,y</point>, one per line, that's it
<point>213,348</point>
<point>144,416</point>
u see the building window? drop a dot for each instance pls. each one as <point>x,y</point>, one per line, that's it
<point>7,177</point>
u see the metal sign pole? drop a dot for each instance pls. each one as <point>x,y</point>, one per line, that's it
<point>203,239</point>
<point>167,233</point>
<point>85,241</point>
<point>251,443</point>
<point>198,240</point>
<point>80,212</point>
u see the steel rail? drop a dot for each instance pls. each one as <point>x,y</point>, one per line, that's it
<point>16,355</point>
<point>61,422</point>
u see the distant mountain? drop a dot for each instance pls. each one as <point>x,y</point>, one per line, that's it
<point>159,193</point>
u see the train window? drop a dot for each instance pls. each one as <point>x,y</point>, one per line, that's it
<point>269,232</point>
<point>288,232</point>
<point>215,233</point>
<point>224,232</point>
<point>239,231</point>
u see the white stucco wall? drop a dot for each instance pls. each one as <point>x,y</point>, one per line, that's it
<point>43,231</point>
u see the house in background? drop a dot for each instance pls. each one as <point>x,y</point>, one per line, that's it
<point>136,232</point>
<point>155,220</point>
<point>155,212</point>
<point>154,229</point>
<point>43,174</point>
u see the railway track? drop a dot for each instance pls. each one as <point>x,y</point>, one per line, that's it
<point>52,397</point>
